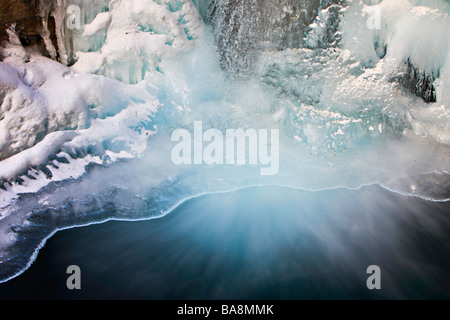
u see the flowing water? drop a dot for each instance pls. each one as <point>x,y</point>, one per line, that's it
<point>257,243</point>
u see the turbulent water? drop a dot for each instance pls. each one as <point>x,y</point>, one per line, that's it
<point>359,92</point>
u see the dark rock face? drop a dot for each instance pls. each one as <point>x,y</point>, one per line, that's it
<point>22,17</point>
<point>419,82</point>
<point>23,13</point>
<point>35,24</point>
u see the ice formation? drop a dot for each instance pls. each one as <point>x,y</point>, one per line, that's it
<point>358,89</point>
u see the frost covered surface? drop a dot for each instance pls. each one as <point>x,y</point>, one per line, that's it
<point>139,34</point>
<point>90,142</point>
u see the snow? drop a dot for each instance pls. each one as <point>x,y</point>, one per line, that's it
<point>135,57</point>
<point>48,107</point>
<point>140,33</point>
<point>100,23</point>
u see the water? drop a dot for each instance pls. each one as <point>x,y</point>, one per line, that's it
<point>256,243</point>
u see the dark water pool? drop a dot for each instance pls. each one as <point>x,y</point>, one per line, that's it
<point>258,243</point>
